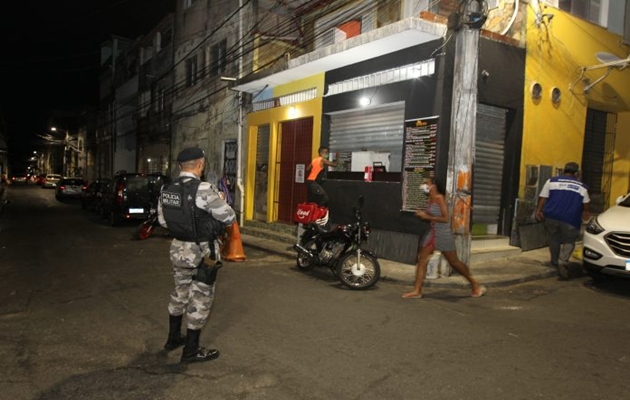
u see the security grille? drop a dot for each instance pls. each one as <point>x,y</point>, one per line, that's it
<point>403,73</point>
<point>262,170</point>
<point>598,157</point>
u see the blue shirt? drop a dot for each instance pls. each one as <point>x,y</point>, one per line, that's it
<point>565,197</point>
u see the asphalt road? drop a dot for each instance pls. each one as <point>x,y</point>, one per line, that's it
<point>83,316</point>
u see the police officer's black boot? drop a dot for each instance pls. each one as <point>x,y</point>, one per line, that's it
<point>193,353</point>
<point>175,337</point>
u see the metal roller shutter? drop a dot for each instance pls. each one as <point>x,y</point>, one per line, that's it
<point>488,165</point>
<point>375,129</point>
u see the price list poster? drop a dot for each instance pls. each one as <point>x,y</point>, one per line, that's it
<point>419,163</point>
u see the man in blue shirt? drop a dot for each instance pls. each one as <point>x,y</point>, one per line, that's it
<point>563,204</point>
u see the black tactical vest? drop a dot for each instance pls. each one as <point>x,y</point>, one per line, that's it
<point>180,213</point>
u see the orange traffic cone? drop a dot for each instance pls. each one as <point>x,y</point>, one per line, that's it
<point>235,245</point>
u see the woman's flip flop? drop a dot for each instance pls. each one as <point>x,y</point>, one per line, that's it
<point>482,290</point>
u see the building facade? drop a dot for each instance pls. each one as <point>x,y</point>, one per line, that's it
<point>206,113</point>
<point>260,85</point>
<point>155,99</point>
<point>576,104</point>
<point>375,84</point>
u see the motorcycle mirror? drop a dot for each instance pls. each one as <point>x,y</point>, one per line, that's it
<point>360,202</point>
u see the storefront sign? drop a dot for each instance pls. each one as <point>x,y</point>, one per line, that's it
<point>419,161</point>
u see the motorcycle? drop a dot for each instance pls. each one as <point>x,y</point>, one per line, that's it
<point>340,250</point>
<point>146,228</point>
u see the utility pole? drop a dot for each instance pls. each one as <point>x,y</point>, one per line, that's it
<point>463,123</point>
<point>239,139</point>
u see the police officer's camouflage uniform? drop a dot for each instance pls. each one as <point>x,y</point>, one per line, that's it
<point>194,297</point>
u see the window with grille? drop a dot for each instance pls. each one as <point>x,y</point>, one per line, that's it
<point>598,157</point>
<point>191,70</point>
<point>219,58</point>
<point>595,11</point>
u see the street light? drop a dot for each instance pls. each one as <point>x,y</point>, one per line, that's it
<point>70,142</point>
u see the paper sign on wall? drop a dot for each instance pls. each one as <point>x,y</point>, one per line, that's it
<point>300,170</point>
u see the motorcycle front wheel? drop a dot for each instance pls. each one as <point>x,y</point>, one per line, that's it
<point>358,275</point>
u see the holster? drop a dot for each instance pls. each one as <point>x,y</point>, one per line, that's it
<point>207,273</point>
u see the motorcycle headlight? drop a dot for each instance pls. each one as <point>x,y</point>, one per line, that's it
<point>594,227</point>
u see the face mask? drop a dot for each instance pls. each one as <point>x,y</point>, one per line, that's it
<point>425,188</point>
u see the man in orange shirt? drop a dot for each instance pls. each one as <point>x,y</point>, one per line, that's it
<point>316,171</point>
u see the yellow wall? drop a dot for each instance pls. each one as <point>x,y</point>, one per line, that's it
<point>273,117</point>
<point>554,134</point>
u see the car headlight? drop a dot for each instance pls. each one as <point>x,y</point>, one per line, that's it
<point>594,227</point>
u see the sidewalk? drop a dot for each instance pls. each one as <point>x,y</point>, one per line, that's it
<point>528,266</point>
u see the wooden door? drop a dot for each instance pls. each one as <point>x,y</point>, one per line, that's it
<point>295,147</point>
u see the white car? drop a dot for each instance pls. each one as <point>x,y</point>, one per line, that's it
<point>607,242</point>
<point>50,181</point>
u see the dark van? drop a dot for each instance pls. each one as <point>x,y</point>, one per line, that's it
<point>130,196</point>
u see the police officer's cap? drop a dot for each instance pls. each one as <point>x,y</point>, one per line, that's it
<point>189,154</point>
<point>571,167</point>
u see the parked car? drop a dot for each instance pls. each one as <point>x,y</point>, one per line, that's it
<point>50,181</point>
<point>607,242</point>
<point>69,188</point>
<point>129,196</point>
<point>92,196</point>
<point>21,179</point>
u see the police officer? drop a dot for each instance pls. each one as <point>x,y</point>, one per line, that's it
<point>193,211</point>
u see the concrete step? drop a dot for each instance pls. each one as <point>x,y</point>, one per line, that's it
<point>493,253</point>
<point>274,227</point>
<point>488,241</point>
<point>270,234</point>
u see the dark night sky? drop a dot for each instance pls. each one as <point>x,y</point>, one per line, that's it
<point>50,53</point>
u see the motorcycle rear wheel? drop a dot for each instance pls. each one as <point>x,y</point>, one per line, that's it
<point>303,262</point>
<point>358,276</point>
<point>144,231</point>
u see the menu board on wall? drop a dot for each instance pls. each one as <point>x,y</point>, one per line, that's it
<point>419,161</point>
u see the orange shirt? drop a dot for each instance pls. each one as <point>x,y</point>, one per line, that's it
<point>316,168</point>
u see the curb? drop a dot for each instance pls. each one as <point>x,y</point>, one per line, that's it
<point>389,275</point>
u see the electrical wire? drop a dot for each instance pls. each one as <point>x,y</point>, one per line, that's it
<point>182,83</point>
<point>235,52</point>
<point>313,17</point>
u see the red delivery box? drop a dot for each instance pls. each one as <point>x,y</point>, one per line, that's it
<point>309,212</point>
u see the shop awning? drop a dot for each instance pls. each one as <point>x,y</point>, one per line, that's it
<point>388,39</point>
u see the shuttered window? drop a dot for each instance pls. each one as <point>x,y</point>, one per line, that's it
<point>375,129</point>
